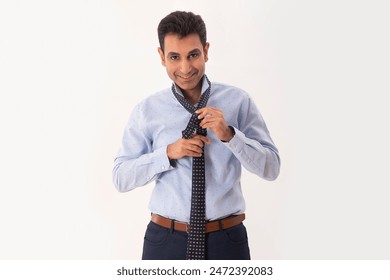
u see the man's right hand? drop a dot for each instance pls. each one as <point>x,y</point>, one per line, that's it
<point>187,147</point>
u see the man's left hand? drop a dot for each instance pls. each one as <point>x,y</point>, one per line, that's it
<point>213,118</point>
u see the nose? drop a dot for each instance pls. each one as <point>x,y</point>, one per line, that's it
<point>185,67</point>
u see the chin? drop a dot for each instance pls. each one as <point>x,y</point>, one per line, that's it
<point>185,85</point>
<point>188,85</point>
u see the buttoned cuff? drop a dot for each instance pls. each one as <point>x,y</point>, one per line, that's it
<point>161,160</point>
<point>237,144</point>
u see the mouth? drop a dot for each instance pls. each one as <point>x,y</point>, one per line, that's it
<point>187,77</point>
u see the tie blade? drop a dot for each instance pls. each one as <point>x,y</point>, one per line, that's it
<point>196,234</point>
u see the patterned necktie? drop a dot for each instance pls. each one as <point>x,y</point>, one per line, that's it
<point>196,232</point>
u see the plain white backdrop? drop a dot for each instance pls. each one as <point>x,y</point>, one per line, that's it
<point>71,72</point>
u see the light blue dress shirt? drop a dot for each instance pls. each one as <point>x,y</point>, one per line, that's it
<point>159,120</point>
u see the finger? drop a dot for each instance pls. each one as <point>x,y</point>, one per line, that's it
<point>193,154</point>
<point>208,125</point>
<point>194,148</point>
<point>195,142</point>
<point>199,111</point>
<point>203,112</point>
<point>194,151</point>
<point>209,109</point>
<point>190,152</point>
<point>209,120</point>
<point>209,112</point>
<point>204,139</point>
<point>205,120</point>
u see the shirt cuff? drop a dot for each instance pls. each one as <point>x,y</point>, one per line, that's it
<point>237,143</point>
<point>161,160</point>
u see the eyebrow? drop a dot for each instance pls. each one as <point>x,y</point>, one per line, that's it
<point>190,52</point>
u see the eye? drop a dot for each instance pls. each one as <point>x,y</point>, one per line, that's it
<point>174,57</point>
<point>193,55</point>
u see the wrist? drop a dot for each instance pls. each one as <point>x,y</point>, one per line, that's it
<point>169,155</point>
<point>172,161</point>
<point>231,132</point>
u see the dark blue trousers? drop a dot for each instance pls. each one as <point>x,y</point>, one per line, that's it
<point>166,244</point>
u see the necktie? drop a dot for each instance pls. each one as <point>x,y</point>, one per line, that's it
<point>196,233</point>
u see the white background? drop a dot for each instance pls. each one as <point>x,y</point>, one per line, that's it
<point>71,72</point>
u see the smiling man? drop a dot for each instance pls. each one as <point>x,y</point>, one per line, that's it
<point>193,139</point>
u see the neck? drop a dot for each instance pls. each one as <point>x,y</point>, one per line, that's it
<point>193,95</point>
<point>192,98</point>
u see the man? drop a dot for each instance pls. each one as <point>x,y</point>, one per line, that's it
<point>192,140</point>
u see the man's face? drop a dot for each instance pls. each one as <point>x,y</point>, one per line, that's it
<point>184,59</point>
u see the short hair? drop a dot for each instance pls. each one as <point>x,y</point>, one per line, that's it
<point>183,24</point>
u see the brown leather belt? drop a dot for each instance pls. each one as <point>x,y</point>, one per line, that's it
<point>225,223</point>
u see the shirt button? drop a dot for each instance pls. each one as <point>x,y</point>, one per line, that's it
<point>162,167</point>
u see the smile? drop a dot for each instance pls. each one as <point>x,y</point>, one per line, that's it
<point>186,77</point>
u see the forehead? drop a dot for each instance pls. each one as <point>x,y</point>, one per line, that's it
<point>174,43</point>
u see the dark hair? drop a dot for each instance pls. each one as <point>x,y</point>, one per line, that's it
<point>183,24</point>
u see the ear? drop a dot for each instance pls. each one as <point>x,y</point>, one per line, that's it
<point>206,51</point>
<point>161,53</point>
